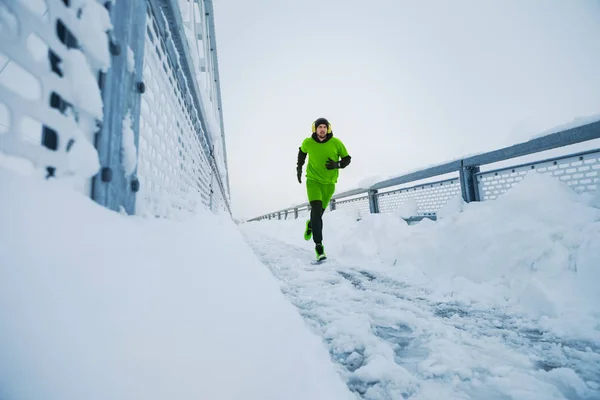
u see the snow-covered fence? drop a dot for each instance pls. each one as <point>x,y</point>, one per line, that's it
<point>182,148</point>
<point>580,171</point>
<point>413,201</point>
<point>427,197</point>
<point>359,203</point>
<point>50,103</point>
<point>120,97</point>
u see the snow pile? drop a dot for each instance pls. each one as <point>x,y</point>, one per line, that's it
<point>535,248</point>
<point>453,206</point>
<point>408,208</point>
<point>97,305</point>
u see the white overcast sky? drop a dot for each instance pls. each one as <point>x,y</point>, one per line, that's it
<point>405,84</point>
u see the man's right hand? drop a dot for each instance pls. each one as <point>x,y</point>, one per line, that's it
<point>299,173</point>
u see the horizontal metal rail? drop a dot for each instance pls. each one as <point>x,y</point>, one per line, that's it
<point>468,167</point>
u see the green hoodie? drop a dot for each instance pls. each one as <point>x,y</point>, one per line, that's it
<point>318,154</point>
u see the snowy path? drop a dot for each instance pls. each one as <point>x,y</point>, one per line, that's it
<point>393,340</point>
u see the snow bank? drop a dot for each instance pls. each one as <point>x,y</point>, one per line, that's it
<point>409,208</point>
<point>98,305</point>
<point>496,300</point>
<point>535,249</point>
<point>536,246</point>
<point>453,206</point>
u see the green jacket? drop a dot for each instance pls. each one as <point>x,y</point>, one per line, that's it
<point>318,154</point>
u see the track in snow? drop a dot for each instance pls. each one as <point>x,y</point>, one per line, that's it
<point>392,340</point>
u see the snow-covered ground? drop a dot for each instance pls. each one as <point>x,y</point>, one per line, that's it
<point>496,300</point>
<point>99,305</point>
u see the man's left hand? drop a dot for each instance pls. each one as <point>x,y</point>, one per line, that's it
<point>330,164</point>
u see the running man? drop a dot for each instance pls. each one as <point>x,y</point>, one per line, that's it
<point>326,155</point>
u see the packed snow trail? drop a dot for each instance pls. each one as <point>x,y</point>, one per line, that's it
<point>444,311</point>
<point>397,341</point>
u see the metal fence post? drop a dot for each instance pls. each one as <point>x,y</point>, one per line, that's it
<point>296,213</point>
<point>121,92</point>
<point>468,183</point>
<point>373,202</point>
<point>332,204</point>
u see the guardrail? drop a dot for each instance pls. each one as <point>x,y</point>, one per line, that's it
<point>121,98</point>
<point>581,171</point>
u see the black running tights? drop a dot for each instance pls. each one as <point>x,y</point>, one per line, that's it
<point>316,220</point>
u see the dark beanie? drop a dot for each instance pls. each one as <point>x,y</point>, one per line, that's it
<point>320,121</point>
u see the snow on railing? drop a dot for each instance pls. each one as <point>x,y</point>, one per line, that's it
<point>581,171</point>
<point>105,94</point>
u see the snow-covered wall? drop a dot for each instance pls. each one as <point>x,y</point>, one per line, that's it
<point>50,101</point>
<point>108,95</point>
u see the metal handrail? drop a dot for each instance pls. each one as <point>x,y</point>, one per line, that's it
<point>570,136</point>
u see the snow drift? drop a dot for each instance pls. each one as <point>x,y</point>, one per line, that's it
<point>98,305</point>
<point>536,249</point>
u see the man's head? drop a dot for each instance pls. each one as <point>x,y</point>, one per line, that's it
<point>321,128</point>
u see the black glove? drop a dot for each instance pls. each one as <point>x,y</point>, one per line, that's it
<point>330,164</point>
<point>299,172</point>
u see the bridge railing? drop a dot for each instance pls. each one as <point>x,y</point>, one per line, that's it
<point>120,98</point>
<point>463,177</point>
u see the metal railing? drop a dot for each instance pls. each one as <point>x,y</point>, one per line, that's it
<point>581,171</point>
<point>117,97</point>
